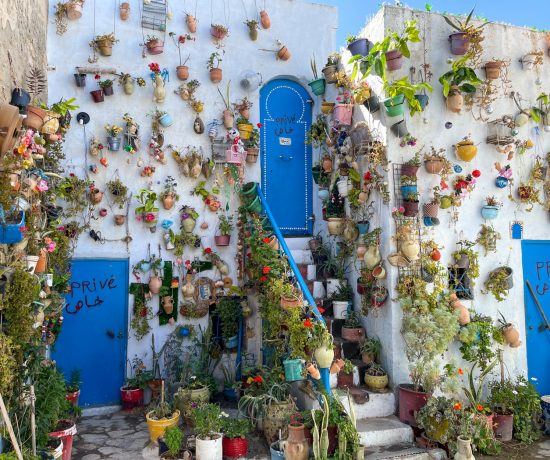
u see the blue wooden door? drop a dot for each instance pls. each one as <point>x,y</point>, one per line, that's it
<point>536,270</point>
<point>285,112</point>
<point>94,333</point>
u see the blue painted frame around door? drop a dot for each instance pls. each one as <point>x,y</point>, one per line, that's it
<point>94,333</point>
<point>536,270</point>
<point>285,112</point>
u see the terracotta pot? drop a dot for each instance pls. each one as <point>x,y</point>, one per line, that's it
<point>353,334</point>
<point>295,446</point>
<point>168,304</point>
<point>511,336</point>
<point>264,19</point>
<point>463,313</point>
<point>367,358</point>
<point>216,75</point>
<point>433,166</point>
<point>222,240</point>
<point>218,34</point>
<point>492,70</point>
<point>182,71</point>
<point>168,201</point>
<point>283,54</point>
<point>103,212</point>
<point>455,100</point>
<point>394,60</point>
<point>155,47</point>
<point>191,22</point>
<point>155,283</point>
<point>124,11</point>
<point>120,219</point>
<point>105,47</point>
<point>410,402</point>
<point>35,117</point>
<point>228,119</point>
<point>96,196</point>
<point>327,164</point>
<point>460,43</point>
<point>42,262</point>
<point>74,9</point>
<point>313,371</point>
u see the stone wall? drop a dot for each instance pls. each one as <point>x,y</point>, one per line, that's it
<point>23,29</point>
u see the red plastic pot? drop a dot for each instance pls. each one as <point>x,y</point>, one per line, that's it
<point>222,240</point>
<point>66,429</point>
<point>409,170</point>
<point>503,427</point>
<point>234,447</point>
<point>345,380</point>
<point>73,398</point>
<point>410,402</point>
<point>131,397</point>
<point>411,208</point>
<point>394,60</point>
<point>97,95</point>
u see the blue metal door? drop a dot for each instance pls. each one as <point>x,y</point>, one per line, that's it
<point>94,333</point>
<point>536,270</point>
<point>285,112</point>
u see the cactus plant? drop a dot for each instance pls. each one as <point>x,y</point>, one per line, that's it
<point>320,439</point>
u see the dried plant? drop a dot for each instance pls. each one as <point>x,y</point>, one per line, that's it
<point>36,82</point>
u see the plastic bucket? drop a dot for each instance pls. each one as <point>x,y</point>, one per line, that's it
<point>66,436</point>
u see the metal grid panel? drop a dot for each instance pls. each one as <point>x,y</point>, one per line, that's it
<point>154,15</point>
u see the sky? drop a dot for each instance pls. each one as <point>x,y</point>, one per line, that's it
<point>531,13</point>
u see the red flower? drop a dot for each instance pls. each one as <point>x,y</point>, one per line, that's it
<point>208,251</point>
<point>263,279</point>
<point>308,323</point>
<point>443,185</point>
<point>258,379</point>
<point>266,270</point>
<point>457,406</point>
<point>479,407</point>
<point>367,176</point>
<point>321,310</point>
<point>181,39</point>
<point>460,371</point>
<point>154,67</point>
<point>260,125</point>
<point>476,173</point>
<point>97,76</point>
<point>266,240</point>
<point>150,217</point>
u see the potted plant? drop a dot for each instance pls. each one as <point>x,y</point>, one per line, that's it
<point>225,226</point>
<point>166,299</point>
<point>173,439</point>
<point>252,145</point>
<point>509,332</point>
<point>155,281</point>
<point>317,85</point>
<point>345,376</point>
<point>466,150</point>
<point>113,138</point>
<point>501,401</point>
<point>234,443</point>
<point>105,85</point>
<point>229,312</point>
<point>73,387</point>
<point>465,33</point>
<point>343,110</point>
<point>131,393</point>
<point>490,210</point>
<point>341,300</point>
<point>213,65</point>
<point>410,204</point>
<point>161,118</point>
<point>376,377</point>
<point>161,417</point>
<point>245,128</point>
<point>218,31</point>
<point>253,27</point>
<point>358,46</point>
<point>370,349</point>
<point>169,196</point>
<point>436,162</point>
<point>208,424</point>
<point>331,67</point>
<point>127,82</point>
<point>352,331</point>
<point>104,44</point>
<point>182,71</point>
<point>154,44</point>
<point>400,90</point>
<point>147,212</point>
<point>460,79</point>
<point>119,191</point>
<point>438,418</point>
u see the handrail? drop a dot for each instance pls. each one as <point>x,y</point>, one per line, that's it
<point>291,261</point>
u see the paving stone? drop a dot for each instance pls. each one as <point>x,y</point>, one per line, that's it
<point>119,433</point>
<point>108,450</point>
<point>97,439</point>
<point>91,457</point>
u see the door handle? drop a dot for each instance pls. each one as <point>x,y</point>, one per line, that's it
<point>110,333</point>
<point>285,157</point>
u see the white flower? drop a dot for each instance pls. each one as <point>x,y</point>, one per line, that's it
<point>515,392</point>
<point>224,414</point>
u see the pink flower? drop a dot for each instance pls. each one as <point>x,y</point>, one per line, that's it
<point>42,185</point>
<point>51,247</point>
<point>179,261</point>
<point>401,209</point>
<point>150,217</point>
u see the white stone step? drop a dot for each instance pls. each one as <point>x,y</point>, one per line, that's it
<point>396,451</point>
<point>302,256</point>
<point>297,243</point>
<point>383,431</point>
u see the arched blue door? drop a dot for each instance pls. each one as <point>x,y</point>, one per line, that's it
<point>285,112</point>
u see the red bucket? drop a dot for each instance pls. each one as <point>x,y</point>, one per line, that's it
<point>131,398</point>
<point>234,447</point>
<point>67,429</point>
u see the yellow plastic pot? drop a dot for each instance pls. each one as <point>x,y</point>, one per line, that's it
<point>466,150</point>
<point>245,130</point>
<point>376,382</point>
<point>158,427</point>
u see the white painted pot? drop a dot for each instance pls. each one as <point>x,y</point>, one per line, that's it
<point>319,291</point>
<point>32,261</point>
<point>311,272</point>
<point>340,308</point>
<point>344,187</point>
<point>209,449</point>
<point>333,284</point>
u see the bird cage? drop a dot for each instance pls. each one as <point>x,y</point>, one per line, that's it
<point>219,148</point>
<point>154,14</point>
<point>499,131</point>
<point>361,138</point>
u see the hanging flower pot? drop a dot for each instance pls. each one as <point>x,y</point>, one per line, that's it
<point>344,186</point>
<point>124,11</point>
<point>327,107</point>
<point>342,114</point>
<point>155,283</point>
<point>317,86</point>
<point>411,208</point>
<point>372,103</point>
<point>529,60</point>
<point>409,170</point>
<point>454,100</point>
<point>330,72</point>
<point>445,202</point>
<point>399,129</point>
<point>228,119</point>
<point>283,54</point>
<point>395,105</point>
<point>120,219</point>
<point>96,196</point>
<point>182,72</point>
<point>489,212</point>
<point>492,70</point>
<point>216,75</point>
<point>511,336</point>
<point>35,117</point>
<point>97,95</point>
<point>410,249</point>
<point>80,79</point>
<point>394,60</point>
<point>252,155</point>
<point>360,46</point>
<point>264,19</point>
<point>463,313</point>
<point>372,257</point>
<point>155,46</point>
<point>74,9</point>
<point>363,226</point>
<point>191,22</point>
<point>168,304</point>
<point>430,209</point>
<point>150,219</point>
<point>466,150</point>
<point>166,120</point>
<point>245,130</point>
<point>293,370</point>
<point>105,46</point>
<point>379,296</point>
<point>422,99</point>
<point>460,43</point>
<point>114,143</point>
<point>335,225</point>
<point>434,165</point>
<point>20,98</point>
<point>217,32</point>
<point>222,240</point>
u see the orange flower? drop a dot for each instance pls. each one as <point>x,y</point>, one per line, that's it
<point>479,407</point>
<point>460,371</point>
<point>457,406</point>
<point>308,323</point>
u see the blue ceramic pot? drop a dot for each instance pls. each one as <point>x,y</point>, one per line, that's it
<point>407,189</point>
<point>501,182</point>
<point>184,331</point>
<point>422,100</point>
<point>166,120</point>
<point>230,394</point>
<point>276,454</point>
<point>323,194</point>
<point>231,342</point>
<point>489,212</point>
<point>363,227</point>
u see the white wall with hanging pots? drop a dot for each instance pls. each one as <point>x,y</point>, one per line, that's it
<point>241,54</point>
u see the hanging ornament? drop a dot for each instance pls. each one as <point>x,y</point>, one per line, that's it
<point>198,125</point>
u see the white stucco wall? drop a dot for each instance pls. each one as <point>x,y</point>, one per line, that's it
<point>303,27</point>
<point>501,42</point>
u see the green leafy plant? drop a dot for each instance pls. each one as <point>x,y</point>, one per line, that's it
<point>371,346</point>
<point>478,341</point>
<point>75,381</point>
<point>348,367</point>
<point>235,428</point>
<point>352,320</point>
<point>474,390</point>
<point>438,418</point>
<point>207,421</point>
<point>404,87</point>
<point>173,437</point>
<point>229,312</point>
<point>214,61</point>
<point>497,283</point>
<point>460,75</point>
<point>225,224</point>
<point>541,113</point>
<point>119,191</point>
<point>147,199</point>
<point>375,370</point>
<point>343,293</point>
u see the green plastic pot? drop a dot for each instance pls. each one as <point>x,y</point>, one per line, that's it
<point>317,86</point>
<point>248,189</point>
<point>255,206</point>
<point>395,105</point>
